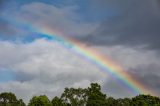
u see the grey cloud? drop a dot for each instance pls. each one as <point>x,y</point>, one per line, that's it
<point>9,30</point>
<point>137,24</point>
<point>44,16</point>
<point>142,64</point>
<point>23,77</point>
<point>46,65</point>
<point>50,67</point>
<point>148,75</point>
<point>6,29</point>
<point>115,89</point>
<point>63,19</point>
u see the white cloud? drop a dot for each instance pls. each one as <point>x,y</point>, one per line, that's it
<point>44,67</point>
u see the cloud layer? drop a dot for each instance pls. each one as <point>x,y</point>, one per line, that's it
<point>136,24</point>
<point>118,29</point>
<point>46,65</point>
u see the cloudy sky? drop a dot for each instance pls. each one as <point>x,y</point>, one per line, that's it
<point>126,31</point>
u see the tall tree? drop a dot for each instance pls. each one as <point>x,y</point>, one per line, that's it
<point>145,100</point>
<point>74,97</point>
<point>124,102</point>
<point>39,101</point>
<point>95,96</point>
<point>111,101</point>
<point>8,98</point>
<point>21,103</point>
<point>57,102</point>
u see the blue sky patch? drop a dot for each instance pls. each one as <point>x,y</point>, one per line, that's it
<point>7,75</point>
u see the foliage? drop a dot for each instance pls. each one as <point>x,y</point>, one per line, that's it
<point>91,96</point>
<point>57,102</point>
<point>124,102</point>
<point>20,103</point>
<point>39,101</point>
<point>9,99</point>
<point>146,100</point>
<point>95,96</point>
<point>111,101</point>
<point>74,97</point>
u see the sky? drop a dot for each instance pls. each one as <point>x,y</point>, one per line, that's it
<point>126,31</point>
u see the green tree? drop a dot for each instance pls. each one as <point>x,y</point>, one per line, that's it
<point>57,102</point>
<point>95,96</point>
<point>8,99</point>
<point>74,97</point>
<point>124,102</point>
<point>145,100</point>
<point>20,103</point>
<point>111,101</point>
<point>39,101</point>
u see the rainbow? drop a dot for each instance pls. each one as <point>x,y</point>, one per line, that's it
<point>105,64</point>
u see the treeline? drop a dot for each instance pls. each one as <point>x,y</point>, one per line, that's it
<point>91,96</point>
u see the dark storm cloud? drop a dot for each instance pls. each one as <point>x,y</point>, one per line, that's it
<point>136,24</point>
<point>148,75</point>
<point>22,77</point>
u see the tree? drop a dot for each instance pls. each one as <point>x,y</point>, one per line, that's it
<point>8,98</point>
<point>74,97</point>
<point>39,101</point>
<point>124,102</point>
<point>57,102</point>
<point>111,101</point>
<point>21,103</point>
<point>91,96</point>
<point>95,96</point>
<point>145,100</point>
